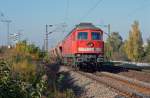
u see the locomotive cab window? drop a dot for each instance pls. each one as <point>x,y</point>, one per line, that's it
<point>96,36</point>
<point>82,35</point>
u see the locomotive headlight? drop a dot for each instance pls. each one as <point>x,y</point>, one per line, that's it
<point>99,49</point>
<point>100,55</point>
<point>78,55</point>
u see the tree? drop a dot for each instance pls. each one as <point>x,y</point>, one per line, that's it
<point>114,41</point>
<point>147,51</point>
<point>128,46</point>
<point>134,45</point>
<point>113,44</point>
<point>148,46</point>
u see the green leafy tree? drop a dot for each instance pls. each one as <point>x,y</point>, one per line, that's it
<point>113,45</point>
<point>114,41</point>
<point>148,46</point>
<point>147,51</point>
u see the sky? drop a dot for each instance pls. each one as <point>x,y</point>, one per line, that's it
<point>30,17</point>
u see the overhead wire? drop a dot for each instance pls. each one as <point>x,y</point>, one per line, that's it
<point>95,6</point>
<point>90,10</point>
<point>66,19</point>
<point>61,27</point>
<point>67,10</point>
<point>66,15</point>
<point>85,15</point>
<point>145,5</point>
<point>140,8</point>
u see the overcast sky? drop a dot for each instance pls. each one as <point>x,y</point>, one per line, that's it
<point>30,17</point>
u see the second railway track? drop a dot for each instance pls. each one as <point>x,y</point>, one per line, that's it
<point>126,86</point>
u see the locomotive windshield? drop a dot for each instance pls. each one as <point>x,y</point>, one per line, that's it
<point>82,35</point>
<point>96,36</point>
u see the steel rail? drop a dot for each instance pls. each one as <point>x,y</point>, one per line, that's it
<point>125,90</point>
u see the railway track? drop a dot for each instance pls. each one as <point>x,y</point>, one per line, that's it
<point>125,86</point>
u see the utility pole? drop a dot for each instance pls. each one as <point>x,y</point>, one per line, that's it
<point>8,35</point>
<point>15,37</point>
<point>108,29</point>
<point>7,23</point>
<point>19,34</point>
<point>110,50</point>
<point>57,29</point>
<point>109,53</point>
<point>46,37</point>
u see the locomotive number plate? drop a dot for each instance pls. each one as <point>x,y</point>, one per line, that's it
<point>89,49</point>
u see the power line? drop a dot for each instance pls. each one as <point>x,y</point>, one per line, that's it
<point>86,14</point>
<point>145,5</point>
<point>58,28</point>
<point>140,8</point>
<point>8,27</point>
<point>67,10</point>
<point>91,9</point>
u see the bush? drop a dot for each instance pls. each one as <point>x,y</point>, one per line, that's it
<point>15,87</point>
<point>25,68</point>
<point>9,87</point>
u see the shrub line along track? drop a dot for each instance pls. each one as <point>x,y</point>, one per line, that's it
<point>126,86</point>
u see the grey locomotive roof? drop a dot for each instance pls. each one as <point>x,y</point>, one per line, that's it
<point>86,26</point>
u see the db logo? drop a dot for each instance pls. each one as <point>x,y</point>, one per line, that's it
<point>90,44</point>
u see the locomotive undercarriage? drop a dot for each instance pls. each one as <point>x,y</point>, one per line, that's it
<point>84,61</point>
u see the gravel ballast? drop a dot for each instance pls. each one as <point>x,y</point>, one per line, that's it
<point>91,88</point>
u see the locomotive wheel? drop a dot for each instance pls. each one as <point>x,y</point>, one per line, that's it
<point>99,66</point>
<point>76,67</point>
<point>65,61</point>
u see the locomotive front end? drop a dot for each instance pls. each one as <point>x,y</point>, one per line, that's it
<point>90,46</point>
<point>83,46</point>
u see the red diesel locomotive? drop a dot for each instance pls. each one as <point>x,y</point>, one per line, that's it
<point>82,47</point>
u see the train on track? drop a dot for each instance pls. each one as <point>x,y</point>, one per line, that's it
<point>83,47</point>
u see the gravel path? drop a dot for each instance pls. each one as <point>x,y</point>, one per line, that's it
<point>91,88</point>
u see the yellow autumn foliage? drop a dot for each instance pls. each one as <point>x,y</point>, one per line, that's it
<point>134,44</point>
<point>25,68</point>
